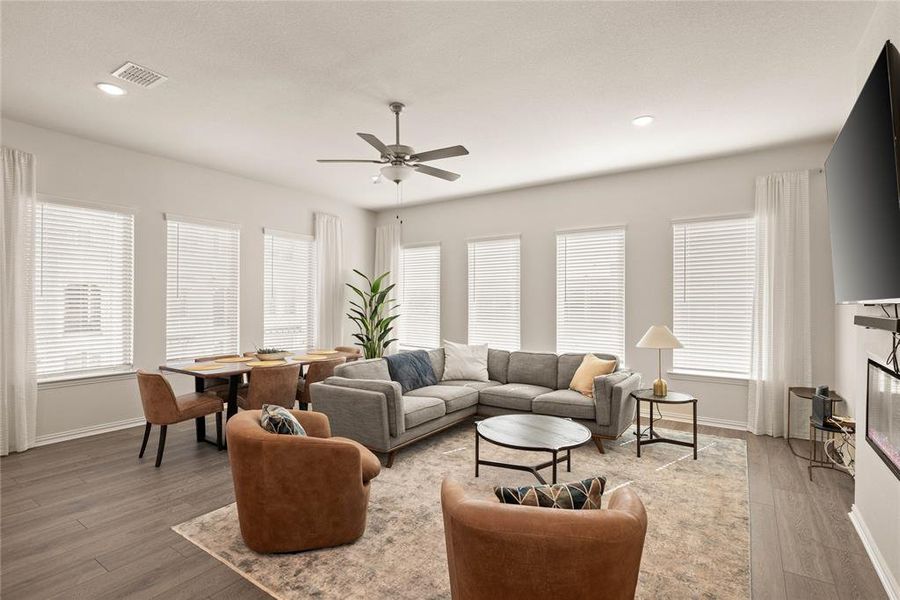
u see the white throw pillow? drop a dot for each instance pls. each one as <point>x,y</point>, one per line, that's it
<point>465,362</point>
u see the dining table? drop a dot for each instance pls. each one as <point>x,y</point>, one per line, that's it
<point>204,372</point>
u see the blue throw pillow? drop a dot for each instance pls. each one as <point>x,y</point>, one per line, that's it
<point>411,370</point>
<point>278,419</point>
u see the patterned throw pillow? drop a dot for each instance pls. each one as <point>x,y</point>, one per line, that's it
<point>278,419</point>
<point>583,494</point>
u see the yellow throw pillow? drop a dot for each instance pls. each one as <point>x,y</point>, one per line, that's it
<point>591,366</point>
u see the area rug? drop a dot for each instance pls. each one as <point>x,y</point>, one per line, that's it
<point>697,545</point>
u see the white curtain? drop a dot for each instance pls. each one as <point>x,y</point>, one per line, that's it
<point>781,319</point>
<point>329,242</point>
<point>18,382</point>
<point>387,259</point>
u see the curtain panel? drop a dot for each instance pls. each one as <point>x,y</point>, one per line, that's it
<point>781,333</point>
<point>18,390</point>
<point>387,260</point>
<point>330,279</point>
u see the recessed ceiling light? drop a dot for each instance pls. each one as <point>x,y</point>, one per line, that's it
<point>112,90</point>
<point>642,120</point>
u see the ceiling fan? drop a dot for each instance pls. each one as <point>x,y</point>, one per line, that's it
<point>401,161</point>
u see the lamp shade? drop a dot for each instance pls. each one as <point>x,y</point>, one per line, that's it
<point>659,336</point>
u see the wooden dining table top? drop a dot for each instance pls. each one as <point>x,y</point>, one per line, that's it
<point>230,369</point>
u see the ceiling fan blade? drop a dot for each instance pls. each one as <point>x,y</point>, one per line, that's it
<point>440,173</point>
<point>375,143</point>
<point>440,153</point>
<point>350,160</point>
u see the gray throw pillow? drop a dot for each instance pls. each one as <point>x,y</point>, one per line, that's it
<point>412,370</point>
<point>278,419</point>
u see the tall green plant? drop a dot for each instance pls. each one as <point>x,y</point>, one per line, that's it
<point>372,315</point>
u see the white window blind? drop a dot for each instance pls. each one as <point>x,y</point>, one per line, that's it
<point>83,290</point>
<point>419,324</point>
<point>590,291</point>
<point>202,279</point>
<point>289,312</point>
<point>494,291</point>
<point>714,269</point>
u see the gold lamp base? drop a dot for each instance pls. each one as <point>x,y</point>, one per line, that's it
<point>660,388</point>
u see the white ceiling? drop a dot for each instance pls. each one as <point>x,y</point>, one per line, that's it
<point>536,91</point>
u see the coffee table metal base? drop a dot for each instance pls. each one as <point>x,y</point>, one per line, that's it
<point>531,469</point>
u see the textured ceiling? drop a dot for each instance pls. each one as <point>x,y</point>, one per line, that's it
<point>536,91</point>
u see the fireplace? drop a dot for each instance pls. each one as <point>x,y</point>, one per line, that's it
<point>883,414</point>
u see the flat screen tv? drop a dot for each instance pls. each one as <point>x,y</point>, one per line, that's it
<point>883,414</point>
<point>862,175</point>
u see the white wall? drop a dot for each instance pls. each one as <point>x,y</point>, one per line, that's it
<point>76,168</point>
<point>877,493</point>
<point>645,201</point>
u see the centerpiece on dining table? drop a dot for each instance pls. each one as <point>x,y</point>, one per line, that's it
<point>272,353</point>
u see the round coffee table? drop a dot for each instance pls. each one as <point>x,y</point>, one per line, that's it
<point>539,433</point>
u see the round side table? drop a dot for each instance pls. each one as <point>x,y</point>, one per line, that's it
<point>670,398</point>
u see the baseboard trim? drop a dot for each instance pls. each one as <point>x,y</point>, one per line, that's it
<point>712,422</point>
<point>74,434</point>
<point>884,574</point>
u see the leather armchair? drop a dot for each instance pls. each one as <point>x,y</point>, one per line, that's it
<point>298,492</point>
<point>499,550</point>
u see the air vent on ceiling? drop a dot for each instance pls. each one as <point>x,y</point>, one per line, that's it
<point>138,75</point>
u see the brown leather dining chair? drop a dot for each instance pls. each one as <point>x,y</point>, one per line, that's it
<point>271,385</point>
<point>319,370</point>
<point>499,550</point>
<point>352,352</point>
<point>163,408</point>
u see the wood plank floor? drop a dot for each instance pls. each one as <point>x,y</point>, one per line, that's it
<point>86,519</point>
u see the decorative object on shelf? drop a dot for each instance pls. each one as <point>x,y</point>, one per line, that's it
<point>265,354</point>
<point>659,337</point>
<point>372,315</point>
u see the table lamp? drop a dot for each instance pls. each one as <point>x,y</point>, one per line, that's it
<point>659,337</point>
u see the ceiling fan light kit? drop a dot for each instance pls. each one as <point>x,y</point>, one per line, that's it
<point>401,160</point>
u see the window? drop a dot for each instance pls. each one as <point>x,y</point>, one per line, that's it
<point>419,325</point>
<point>83,290</point>
<point>714,269</point>
<point>202,277</point>
<point>494,293</point>
<point>289,312</point>
<point>590,291</point>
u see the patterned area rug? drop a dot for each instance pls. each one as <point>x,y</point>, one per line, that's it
<point>697,546</point>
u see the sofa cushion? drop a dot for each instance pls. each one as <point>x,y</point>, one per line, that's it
<point>419,409</point>
<point>437,362</point>
<point>455,397</point>
<point>581,495</point>
<point>564,403</point>
<point>533,368</point>
<point>465,362</point>
<point>469,383</point>
<point>514,396</point>
<point>373,368</point>
<point>569,363</point>
<point>603,386</point>
<point>277,419</point>
<point>498,365</point>
<point>412,370</point>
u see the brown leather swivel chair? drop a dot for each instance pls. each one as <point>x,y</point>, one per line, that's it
<point>499,550</point>
<point>162,407</point>
<point>298,492</point>
<point>270,385</point>
<point>317,371</point>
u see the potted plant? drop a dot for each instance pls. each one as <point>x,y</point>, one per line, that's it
<point>271,353</point>
<point>371,315</point>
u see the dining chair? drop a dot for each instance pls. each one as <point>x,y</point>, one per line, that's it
<point>354,352</point>
<point>319,370</point>
<point>218,386</point>
<point>271,385</point>
<point>163,408</point>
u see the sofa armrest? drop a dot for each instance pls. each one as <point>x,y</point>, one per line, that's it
<point>615,406</point>
<point>358,414</point>
<point>391,391</point>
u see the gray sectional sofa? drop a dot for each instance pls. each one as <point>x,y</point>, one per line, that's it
<point>362,403</point>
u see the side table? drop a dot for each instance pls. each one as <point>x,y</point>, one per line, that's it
<point>670,398</point>
<point>806,393</point>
